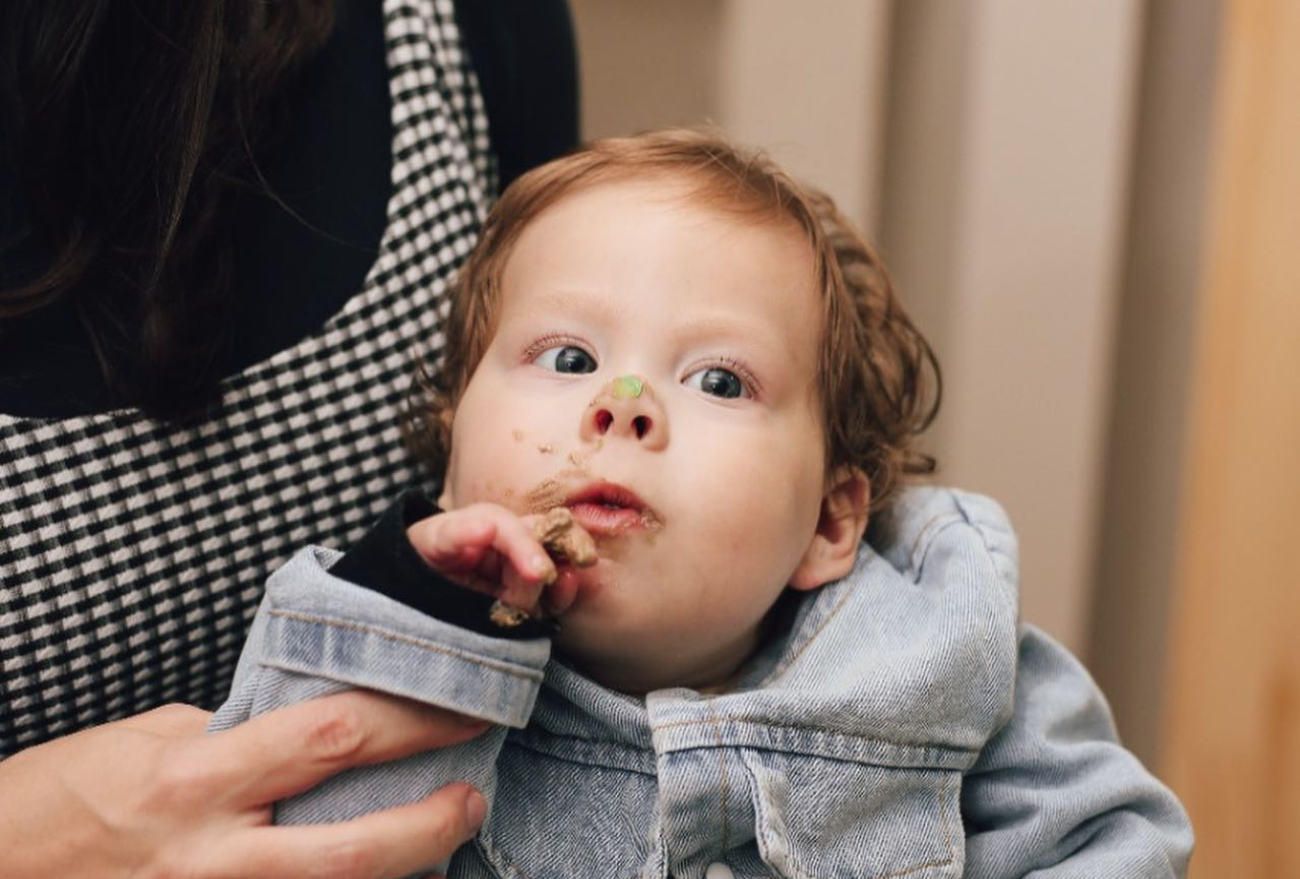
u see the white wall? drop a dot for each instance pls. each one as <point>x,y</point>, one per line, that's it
<point>1007,166</point>
<point>809,85</point>
<point>804,80</point>
<point>988,144</point>
<point>1150,382</point>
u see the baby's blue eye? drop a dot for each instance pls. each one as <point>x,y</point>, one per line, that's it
<point>717,382</point>
<point>567,359</point>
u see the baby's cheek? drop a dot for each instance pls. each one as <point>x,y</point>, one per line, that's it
<point>775,492</point>
<point>726,551</point>
<point>465,486</point>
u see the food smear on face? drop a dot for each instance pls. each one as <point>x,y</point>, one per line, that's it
<point>581,457</point>
<point>546,449</point>
<point>518,435</point>
<point>651,525</point>
<point>651,528</point>
<point>546,494</point>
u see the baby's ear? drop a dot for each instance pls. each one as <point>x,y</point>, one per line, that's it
<point>840,527</point>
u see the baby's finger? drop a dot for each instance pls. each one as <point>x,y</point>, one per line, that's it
<point>560,595</point>
<point>467,539</point>
<point>523,592</point>
<point>453,541</point>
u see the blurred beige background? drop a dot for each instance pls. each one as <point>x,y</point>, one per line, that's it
<point>1053,185</point>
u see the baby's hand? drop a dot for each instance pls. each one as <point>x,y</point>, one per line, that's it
<point>492,550</point>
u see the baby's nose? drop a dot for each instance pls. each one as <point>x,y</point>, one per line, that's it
<point>626,408</point>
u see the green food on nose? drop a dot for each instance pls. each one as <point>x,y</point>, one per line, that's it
<point>628,387</point>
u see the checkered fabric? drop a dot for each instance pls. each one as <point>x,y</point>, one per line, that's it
<point>133,553</point>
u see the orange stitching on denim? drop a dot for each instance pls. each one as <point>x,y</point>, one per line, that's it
<point>483,842</point>
<point>404,639</point>
<point>908,870</point>
<point>722,771</point>
<point>937,746</point>
<point>947,841</point>
<point>943,817</point>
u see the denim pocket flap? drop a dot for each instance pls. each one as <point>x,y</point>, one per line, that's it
<point>551,821</point>
<point>859,820</point>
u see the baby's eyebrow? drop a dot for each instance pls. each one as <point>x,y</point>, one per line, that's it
<point>588,304</point>
<point>731,327</point>
<point>591,305</point>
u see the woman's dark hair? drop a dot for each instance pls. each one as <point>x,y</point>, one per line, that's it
<point>128,123</point>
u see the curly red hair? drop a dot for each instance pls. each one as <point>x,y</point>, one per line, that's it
<point>878,377</point>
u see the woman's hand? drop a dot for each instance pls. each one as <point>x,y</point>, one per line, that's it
<point>155,796</point>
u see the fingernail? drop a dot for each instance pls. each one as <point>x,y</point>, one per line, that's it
<point>475,809</point>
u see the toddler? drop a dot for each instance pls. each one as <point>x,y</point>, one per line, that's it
<point>677,391</point>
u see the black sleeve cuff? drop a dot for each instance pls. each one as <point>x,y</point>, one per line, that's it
<point>384,561</point>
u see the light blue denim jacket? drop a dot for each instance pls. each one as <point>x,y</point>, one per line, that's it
<point>902,725</point>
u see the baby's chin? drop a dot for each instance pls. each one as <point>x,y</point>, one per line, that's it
<point>625,661</point>
<point>611,657</point>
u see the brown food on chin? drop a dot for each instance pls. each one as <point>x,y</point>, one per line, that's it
<point>558,532</point>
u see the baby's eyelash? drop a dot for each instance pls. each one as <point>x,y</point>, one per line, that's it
<point>743,372</point>
<point>537,346</point>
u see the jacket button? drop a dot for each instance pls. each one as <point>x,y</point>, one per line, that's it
<point>719,870</point>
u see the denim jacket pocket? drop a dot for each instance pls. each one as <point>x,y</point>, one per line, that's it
<point>852,819</point>
<point>581,810</point>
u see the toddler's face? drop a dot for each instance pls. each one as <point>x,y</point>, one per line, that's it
<point>654,368</point>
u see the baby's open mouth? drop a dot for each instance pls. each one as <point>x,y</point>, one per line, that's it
<point>606,509</point>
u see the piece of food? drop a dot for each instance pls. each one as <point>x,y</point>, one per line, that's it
<point>559,534</point>
<point>563,538</point>
<point>505,616</point>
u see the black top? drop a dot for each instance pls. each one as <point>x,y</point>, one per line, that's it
<point>384,561</point>
<point>133,551</point>
<point>304,252</point>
